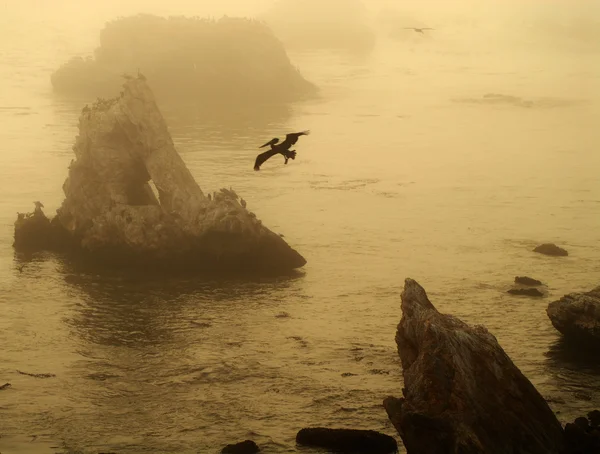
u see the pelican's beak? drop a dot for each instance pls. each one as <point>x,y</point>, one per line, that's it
<point>270,142</point>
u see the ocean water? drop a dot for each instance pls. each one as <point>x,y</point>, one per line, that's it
<point>409,171</point>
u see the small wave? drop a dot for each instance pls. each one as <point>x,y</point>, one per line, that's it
<point>99,376</point>
<point>15,108</point>
<point>518,101</point>
<point>345,185</point>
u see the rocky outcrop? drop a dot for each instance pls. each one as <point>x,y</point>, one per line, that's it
<point>111,211</point>
<point>524,280</point>
<point>347,440</point>
<point>577,316</point>
<point>462,393</point>
<point>583,435</point>
<point>244,447</point>
<point>551,249</point>
<point>227,61</point>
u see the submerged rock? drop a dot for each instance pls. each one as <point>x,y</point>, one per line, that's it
<point>244,447</point>
<point>524,280</point>
<point>462,393</point>
<point>112,213</point>
<point>348,440</point>
<point>577,316</point>
<point>525,292</point>
<point>230,60</point>
<point>551,249</point>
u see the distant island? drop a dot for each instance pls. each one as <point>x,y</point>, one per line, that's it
<point>317,24</point>
<point>226,60</point>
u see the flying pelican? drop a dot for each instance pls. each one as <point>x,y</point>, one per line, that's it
<point>282,148</point>
<point>418,30</point>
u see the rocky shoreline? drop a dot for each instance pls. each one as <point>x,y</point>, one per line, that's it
<point>461,393</point>
<point>129,198</point>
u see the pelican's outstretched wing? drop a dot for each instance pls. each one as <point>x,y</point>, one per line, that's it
<point>292,138</point>
<point>261,158</point>
<point>294,135</point>
<point>270,142</point>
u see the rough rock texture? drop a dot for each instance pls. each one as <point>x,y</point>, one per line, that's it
<point>462,393</point>
<point>551,249</point>
<point>524,280</point>
<point>525,292</point>
<point>244,447</point>
<point>347,440</point>
<point>111,211</point>
<point>577,316</point>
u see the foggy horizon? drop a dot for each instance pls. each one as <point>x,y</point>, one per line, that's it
<point>195,294</point>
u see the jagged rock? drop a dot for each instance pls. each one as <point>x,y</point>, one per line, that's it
<point>245,447</point>
<point>551,249</point>
<point>463,394</point>
<point>524,280</point>
<point>583,435</point>
<point>111,213</point>
<point>525,292</point>
<point>229,60</point>
<point>347,440</point>
<point>577,316</point>
<point>34,231</point>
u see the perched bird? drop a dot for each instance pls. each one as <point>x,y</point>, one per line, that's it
<point>38,208</point>
<point>418,30</point>
<point>282,148</point>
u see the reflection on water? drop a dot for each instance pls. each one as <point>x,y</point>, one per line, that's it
<point>153,350</point>
<point>575,373</point>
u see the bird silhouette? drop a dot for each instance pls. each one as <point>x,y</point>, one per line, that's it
<point>418,30</point>
<point>282,148</point>
<point>38,208</point>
